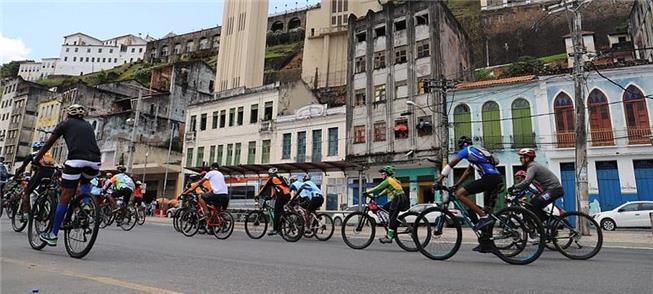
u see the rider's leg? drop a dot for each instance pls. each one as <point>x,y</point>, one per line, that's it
<point>395,207</point>
<point>539,202</point>
<point>462,194</point>
<point>279,203</point>
<point>202,202</point>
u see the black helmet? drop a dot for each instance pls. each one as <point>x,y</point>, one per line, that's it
<point>464,141</point>
<point>215,165</point>
<point>306,178</point>
<point>121,169</point>
<point>194,177</point>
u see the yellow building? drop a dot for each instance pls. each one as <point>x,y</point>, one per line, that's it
<point>48,117</point>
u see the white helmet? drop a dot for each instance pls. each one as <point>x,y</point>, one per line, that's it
<point>76,110</point>
<point>273,171</point>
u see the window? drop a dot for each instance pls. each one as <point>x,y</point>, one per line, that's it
<point>491,125</point>
<point>88,50</point>
<point>265,151</point>
<point>251,152</point>
<point>400,25</point>
<point>189,46</point>
<point>230,154</point>
<point>110,50</point>
<point>203,122</point>
<point>99,50</point>
<point>379,131</point>
<point>67,49</point>
<point>379,93</point>
<point>316,151</point>
<point>200,156</point>
<point>360,64</point>
<point>133,50</point>
<point>140,50</point>
<point>333,142</point>
<point>359,134</point>
<point>219,158</point>
<point>193,123</point>
<point>223,117</point>
<point>565,120</point>
<point>422,19</point>
<point>212,154</point>
<point>401,129</point>
<point>76,49</point>
<point>401,90</point>
<point>301,146</point>
<point>253,114</point>
<point>239,120</point>
<point>237,154</point>
<point>65,58</point>
<point>359,97</point>
<point>380,31</point>
<point>268,111</point>
<point>423,48</point>
<point>87,59</point>
<point>421,83</point>
<point>214,121</point>
<point>115,60</point>
<point>637,120</point>
<point>629,207</point>
<point>360,37</point>
<point>232,116</point>
<point>104,59</point>
<point>400,55</point>
<point>379,60</point>
<point>285,148</point>
<point>424,126</point>
<point>189,157</point>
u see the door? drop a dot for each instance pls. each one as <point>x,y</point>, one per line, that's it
<point>627,215</point>
<point>332,202</point>
<point>607,175</point>
<point>644,179</point>
<point>568,177</point>
<point>645,210</point>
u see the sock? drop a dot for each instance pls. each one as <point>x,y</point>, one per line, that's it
<point>485,216</point>
<point>391,234</point>
<point>58,217</point>
<point>85,188</point>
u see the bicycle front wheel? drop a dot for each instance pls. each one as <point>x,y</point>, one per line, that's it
<point>358,230</point>
<point>256,223</point>
<point>292,226</point>
<point>128,219</point>
<point>140,214</point>
<point>323,226</point>
<point>517,236</point>
<point>39,221</point>
<point>82,228</point>
<point>574,242</point>
<point>226,226</point>
<point>18,221</point>
<point>437,234</point>
<point>189,223</point>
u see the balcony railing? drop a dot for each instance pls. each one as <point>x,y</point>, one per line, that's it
<point>190,136</point>
<point>641,135</point>
<point>566,139</point>
<point>267,126</point>
<point>523,141</point>
<point>602,137</point>
<point>493,142</point>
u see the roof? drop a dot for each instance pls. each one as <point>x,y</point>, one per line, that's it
<point>80,33</point>
<point>584,33</point>
<point>490,83</point>
<point>257,169</point>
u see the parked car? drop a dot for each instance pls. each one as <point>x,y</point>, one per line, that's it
<point>628,215</point>
<point>171,211</point>
<point>431,216</point>
<point>339,216</point>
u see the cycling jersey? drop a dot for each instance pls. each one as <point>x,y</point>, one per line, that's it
<point>540,174</point>
<point>306,189</point>
<point>275,186</point>
<point>80,139</point>
<point>478,160</point>
<point>390,186</point>
<point>122,181</point>
<point>217,184</point>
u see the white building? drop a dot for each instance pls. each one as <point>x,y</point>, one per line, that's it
<point>32,71</point>
<point>83,54</point>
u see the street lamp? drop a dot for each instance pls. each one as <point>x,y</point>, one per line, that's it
<point>412,103</point>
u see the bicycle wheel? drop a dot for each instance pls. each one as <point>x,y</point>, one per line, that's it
<point>106,215</point>
<point>404,233</point>
<point>358,230</point>
<point>82,226</point>
<point>128,219</point>
<point>175,219</point>
<point>517,235</point>
<point>140,214</point>
<point>323,226</point>
<point>292,226</point>
<point>18,222</point>
<point>569,239</point>
<point>39,221</point>
<point>256,223</point>
<point>226,227</point>
<point>437,234</point>
<point>189,223</point>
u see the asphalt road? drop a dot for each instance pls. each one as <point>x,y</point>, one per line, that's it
<point>155,259</point>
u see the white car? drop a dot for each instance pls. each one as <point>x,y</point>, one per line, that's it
<point>431,216</point>
<point>339,216</point>
<point>628,215</point>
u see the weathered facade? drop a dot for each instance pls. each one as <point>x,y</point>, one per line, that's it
<point>287,21</point>
<point>196,44</point>
<point>640,28</point>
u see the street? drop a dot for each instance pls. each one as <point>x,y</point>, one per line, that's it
<point>154,259</point>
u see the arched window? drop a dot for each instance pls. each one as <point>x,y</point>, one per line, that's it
<point>462,118</point>
<point>600,123</point>
<point>294,23</point>
<point>639,129</point>
<point>491,126</point>
<point>277,26</point>
<point>565,120</point>
<point>522,128</point>
<point>204,43</point>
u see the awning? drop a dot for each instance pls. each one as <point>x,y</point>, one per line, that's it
<point>294,167</point>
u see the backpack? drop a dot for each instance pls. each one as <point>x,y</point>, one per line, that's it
<point>4,174</point>
<point>493,158</point>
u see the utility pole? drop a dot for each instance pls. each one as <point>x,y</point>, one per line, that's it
<point>440,113</point>
<point>582,189</point>
<point>165,176</point>
<point>132,139</point>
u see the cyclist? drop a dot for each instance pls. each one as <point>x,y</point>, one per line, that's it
<point>552,189</point>
<point>490,184</point>
<point>532,189</point>
<point>37,172</point>
<point>4,176</point>
<point>276,187</point>
<point>123,186</point>
<point>138,194</point>
<point>309,194</point>
<point>82,165</point>
<point>217,194</point>
<point>397,200</point>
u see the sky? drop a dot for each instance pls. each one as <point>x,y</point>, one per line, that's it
<point>34,29</point>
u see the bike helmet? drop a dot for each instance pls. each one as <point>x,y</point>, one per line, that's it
<point>273,171</point>
<point>121,169</point>
<point>388,170</point>
<point>306,177</point>
<point>2,159</point>
<point>292,179</point>
<point>37,145</point>
<point>526,152</point>
<point>521,173</point>
<point>139,183</point>
<point>194,177</point>
<point>464,141</point>
<point>215,165</point>
<point>76,110</point>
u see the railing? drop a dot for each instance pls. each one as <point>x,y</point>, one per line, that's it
<point>523,141</point>
<point>190,136</point>
<point>266,126</point>
<point>602,137</point>
<point>641,135</point>
<point>493,142</point>
<point>566,139</point>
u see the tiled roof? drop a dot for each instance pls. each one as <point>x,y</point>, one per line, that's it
<point>490,83</point>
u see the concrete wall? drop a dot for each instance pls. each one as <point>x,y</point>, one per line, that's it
<point>210,37</point>
<point>281,22</point>
<point>640,27</point>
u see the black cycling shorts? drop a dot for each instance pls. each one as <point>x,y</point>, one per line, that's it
<point>124,192</point>
<point>43,172</point>
<point>490,185</point>
<point>221,201</point>
<point>138,201</point>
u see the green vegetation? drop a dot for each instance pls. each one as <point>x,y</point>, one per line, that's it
<point>10,69</point>
<point>483,74</point>
<point>140,71</point>
<point>554,58</point>
<point>525,65</point>
<point>280,51</point>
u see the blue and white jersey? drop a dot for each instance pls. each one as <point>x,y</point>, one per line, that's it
<point>478,160</point>
<point>308,189</point>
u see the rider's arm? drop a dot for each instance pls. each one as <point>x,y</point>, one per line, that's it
<point>56,133</point>
<point>194,186</point>
<point>530,175</point>
<point>380,187</point>
<point>26,161</point>
<point>449,167</point>
<point>468,171</point>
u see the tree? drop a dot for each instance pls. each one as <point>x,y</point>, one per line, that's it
<point>10,70</point>
<point>525,65</point>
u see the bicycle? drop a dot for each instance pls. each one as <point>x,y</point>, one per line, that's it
<point>509,235</point>
<point>13,206</point>
<point>125,215</point>
<point>140,214</point>
<point>562,232</point>
<point>256,222</point>
<point>320,225</point>
<point>218,222</point>
<point>42,212</point>
<point>361,226</point>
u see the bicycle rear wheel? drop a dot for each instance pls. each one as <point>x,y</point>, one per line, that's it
<point>256,223</point>
<point>323,226</point>
<point>128,218</point>
<point>569,239</point>
<point>404,233</point>
<point>517,235</point>
<point>40,221</point>
<point>18,222</point>
<point>106,215</point>
<point>292,226</point>
<point>226,227</point>
<point>358,230</point>
<point>140,214</point>
<point>189,223</point>
<point>438,234</point>
<point>82,228</point>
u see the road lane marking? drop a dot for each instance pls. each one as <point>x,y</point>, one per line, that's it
<point>98,279</point>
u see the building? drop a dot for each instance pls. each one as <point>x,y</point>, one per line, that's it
<point>538,112</point>
<point>324,63</point>
<point>174,48</point>
<point>83,54</point>
<point>640,27</point>
<point>288,20</point>
<point>32,71</point>
<point>8,88</point>
<point>391,53</point>
<point>498,4</point>
<point>49,113</point>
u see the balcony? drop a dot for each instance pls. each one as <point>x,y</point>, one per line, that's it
<point>639,135</point>
<point>566,139</point>
<point>493,142</point>
<point>190,137</point>
<point>602,137</point>
<point>266,126</point>
<point>523,141</point>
